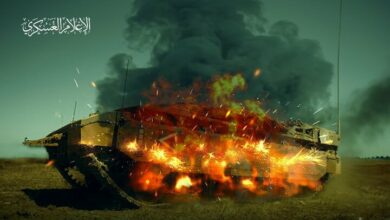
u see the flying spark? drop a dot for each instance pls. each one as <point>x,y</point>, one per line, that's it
<point>257,72</point>
<point>50,163</point>
<point>227,114</point>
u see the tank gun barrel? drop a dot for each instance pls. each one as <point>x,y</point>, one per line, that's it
<point>49,141</point>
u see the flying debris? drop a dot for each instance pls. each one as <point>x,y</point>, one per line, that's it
<point>318,110</point>
<point>75,82</point>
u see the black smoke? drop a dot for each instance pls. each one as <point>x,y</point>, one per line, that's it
<point>367,118</point>
<point>197,39</point>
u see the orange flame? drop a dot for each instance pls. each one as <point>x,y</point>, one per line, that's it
<point>248,184</point>
<point>182,182</point>
<point>198,144</point>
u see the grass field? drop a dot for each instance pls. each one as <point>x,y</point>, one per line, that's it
<point>29,189</point>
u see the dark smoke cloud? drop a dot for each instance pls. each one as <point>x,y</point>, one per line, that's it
<point>367,117</point>
<point>197,39</point>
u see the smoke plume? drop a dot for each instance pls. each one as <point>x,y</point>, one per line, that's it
<point>368,116</point>
<point>198,39</point>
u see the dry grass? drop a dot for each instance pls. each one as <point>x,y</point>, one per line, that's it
<point>28,189</point>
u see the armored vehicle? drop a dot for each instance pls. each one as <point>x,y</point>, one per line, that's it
<point>144,154</point>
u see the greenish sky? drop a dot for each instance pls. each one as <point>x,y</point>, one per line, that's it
<point>37,73</point>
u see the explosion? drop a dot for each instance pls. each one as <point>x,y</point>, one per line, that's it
<point>220,144</point>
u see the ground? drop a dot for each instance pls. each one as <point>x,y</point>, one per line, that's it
<point>29,189</point>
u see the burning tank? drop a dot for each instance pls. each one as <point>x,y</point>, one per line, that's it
<point>144,154</point>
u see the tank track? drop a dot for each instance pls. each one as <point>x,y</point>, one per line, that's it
<point>99,171</point>
<point>73,176</point>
